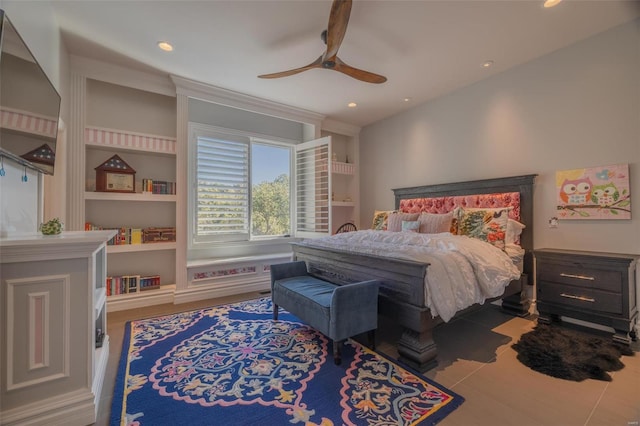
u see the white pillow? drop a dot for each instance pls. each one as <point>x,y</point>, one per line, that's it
<point>514,229</point>
<point>410,226</point>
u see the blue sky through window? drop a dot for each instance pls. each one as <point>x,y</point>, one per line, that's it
<point>268,162</point>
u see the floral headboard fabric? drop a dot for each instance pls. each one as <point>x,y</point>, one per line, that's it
<point>447,204</point>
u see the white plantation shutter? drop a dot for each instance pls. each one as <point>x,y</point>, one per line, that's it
<point>222,188</point>
<point>313,188</point>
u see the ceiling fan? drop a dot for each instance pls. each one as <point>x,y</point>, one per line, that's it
<point>332,37</point>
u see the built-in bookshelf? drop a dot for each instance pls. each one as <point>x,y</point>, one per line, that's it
<point>344,174</point>
<point>146,218</point>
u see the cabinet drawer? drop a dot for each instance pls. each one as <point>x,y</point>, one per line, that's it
<point>577,275</point>
<point>580,297</point>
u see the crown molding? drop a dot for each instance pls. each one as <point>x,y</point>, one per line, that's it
<point>245,102</point>
<point>115,74</point>
<point>335,126</point>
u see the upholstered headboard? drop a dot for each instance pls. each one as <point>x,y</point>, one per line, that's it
<point>447,204</point>
<point>516,191</point>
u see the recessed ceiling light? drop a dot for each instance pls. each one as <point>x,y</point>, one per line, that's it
<point>352,104</point>
<point>487,64</point>
<point>551,3</point>
<point>165,45</point>
<point>407,99</point>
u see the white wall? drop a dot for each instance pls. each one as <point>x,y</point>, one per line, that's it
<point>20,203</point>
<point>574,108</point>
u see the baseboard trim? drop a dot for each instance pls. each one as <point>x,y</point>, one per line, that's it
<point>141,299</point>
<point>73,408</point>
<point>220,290</point>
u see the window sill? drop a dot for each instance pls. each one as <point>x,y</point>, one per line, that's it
<point>234,249</point>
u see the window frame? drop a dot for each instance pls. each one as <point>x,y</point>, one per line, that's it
<point>196,130</point>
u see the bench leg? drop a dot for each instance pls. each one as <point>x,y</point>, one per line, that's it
<point>337,360</point>
<point>371,336</point>
<point>275,312</point>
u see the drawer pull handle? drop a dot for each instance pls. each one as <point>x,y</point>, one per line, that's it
<point>581,298</point>
<point>580,277</point>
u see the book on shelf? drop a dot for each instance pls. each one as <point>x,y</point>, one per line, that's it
<point>136,235</point>
<point>158,235</point>
<point>150,282</point>
<point>127,284</point>
<point>126,236</point>
<point>158,186</point>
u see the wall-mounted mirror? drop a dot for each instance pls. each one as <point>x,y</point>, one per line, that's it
<point>29,104</point>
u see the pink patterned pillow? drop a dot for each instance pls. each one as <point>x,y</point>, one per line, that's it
<point>433,223</point>
<point>394,221</point>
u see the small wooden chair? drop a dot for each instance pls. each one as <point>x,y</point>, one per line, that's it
<point>346,227</point>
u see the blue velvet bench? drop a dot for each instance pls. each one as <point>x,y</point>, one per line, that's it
<point>337,311</point>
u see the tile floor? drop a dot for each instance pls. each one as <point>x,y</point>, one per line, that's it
<point>476,361</point>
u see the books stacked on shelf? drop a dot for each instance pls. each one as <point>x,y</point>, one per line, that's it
<point>125,284</point>
<point>137,235</point>
<point>158,186</point>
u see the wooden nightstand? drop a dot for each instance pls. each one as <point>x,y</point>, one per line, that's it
<point>594,287</point>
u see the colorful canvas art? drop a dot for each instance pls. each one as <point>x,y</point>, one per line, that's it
<point>594,193</point>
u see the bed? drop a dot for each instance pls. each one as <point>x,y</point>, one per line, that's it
<point>402,291</point>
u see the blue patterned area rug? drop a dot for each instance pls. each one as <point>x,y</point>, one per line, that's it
<point>235,365</point>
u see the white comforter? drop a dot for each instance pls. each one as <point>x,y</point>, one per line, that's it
<point>462,270</point>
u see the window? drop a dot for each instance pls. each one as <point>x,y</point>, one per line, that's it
<point>270,190</point>
<point>242,187</point>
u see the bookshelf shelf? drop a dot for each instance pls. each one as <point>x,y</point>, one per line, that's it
<point>120,140</point>
<point>340,168</point>
<point>343,203</point>
<point>131,248</point>
<point>123,196</point>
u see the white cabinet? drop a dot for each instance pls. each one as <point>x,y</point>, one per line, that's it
<point>52,300</point>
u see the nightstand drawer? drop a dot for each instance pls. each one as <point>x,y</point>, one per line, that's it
<point>575,275</point>
<point>580,297</point>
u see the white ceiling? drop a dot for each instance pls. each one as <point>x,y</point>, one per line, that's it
<point>425,48</point>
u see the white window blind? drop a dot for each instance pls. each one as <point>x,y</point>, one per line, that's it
<point>222,206</point>
<point>312,189</point>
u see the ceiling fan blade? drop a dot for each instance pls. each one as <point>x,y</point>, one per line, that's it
<point>337,28</point>
<point>358,74</point>
<point>315,64</point>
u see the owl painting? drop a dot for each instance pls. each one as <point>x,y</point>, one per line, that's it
<point>594,193</point>
<point>605,195</point>
<point>576,191</point>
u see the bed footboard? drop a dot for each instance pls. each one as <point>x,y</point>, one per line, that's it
<point>401,295</point>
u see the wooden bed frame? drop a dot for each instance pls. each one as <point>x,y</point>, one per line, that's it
<point>402,281</point>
